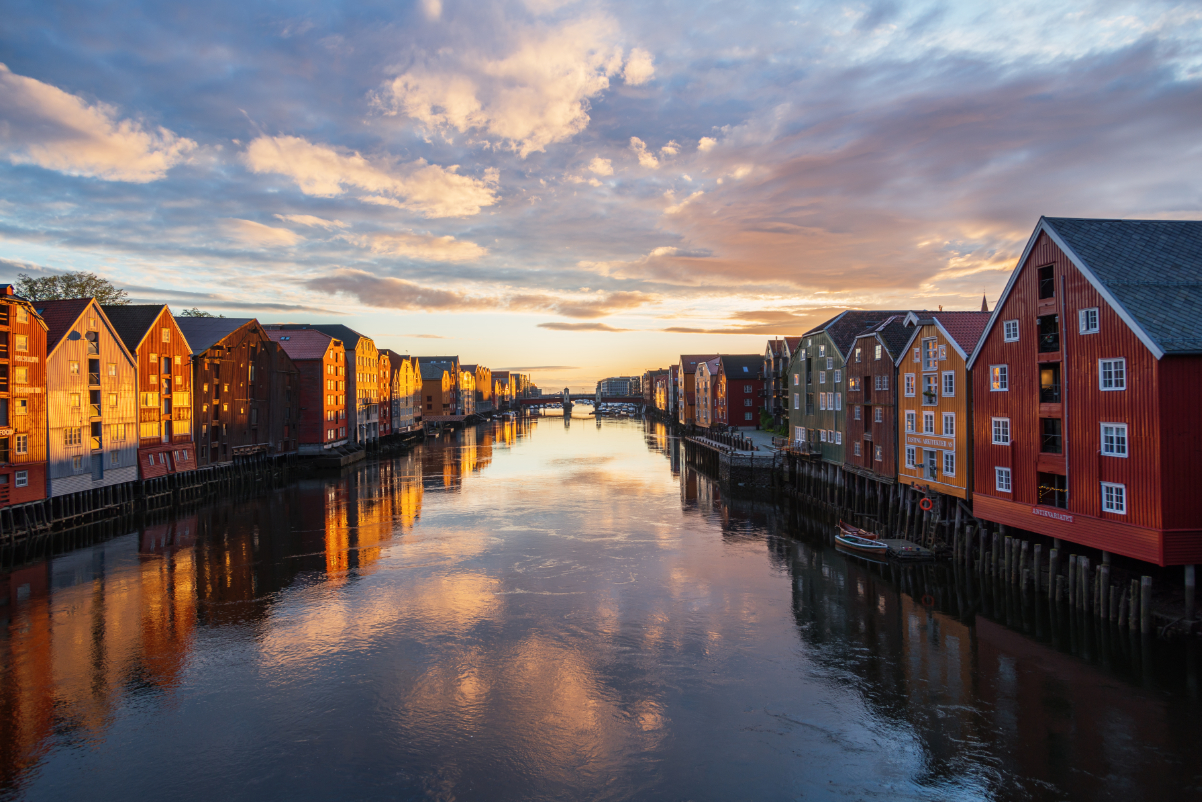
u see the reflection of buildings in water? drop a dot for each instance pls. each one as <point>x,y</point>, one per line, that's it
<point>454,456</point>
<point>689,480</point>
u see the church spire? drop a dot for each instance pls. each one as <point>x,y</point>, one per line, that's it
<point>984,303</point>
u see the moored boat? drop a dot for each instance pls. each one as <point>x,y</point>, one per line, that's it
<point>848,529</point>
<point>861,545</point>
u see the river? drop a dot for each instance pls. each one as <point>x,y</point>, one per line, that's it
<point>557,609</point>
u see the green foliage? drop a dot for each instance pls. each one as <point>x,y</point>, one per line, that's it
<point>765,420</point>
<point>194,312</point>
<point>70,285</point>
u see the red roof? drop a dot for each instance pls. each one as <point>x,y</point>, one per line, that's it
<point>794,344</point>
<point>60,316</point>
<point>302,343</point>
<point>964,327</point>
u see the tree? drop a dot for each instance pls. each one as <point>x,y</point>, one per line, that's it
<point>71,285</point>
<point>194,312</point>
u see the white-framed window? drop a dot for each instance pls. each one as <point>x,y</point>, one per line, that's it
<point>822,377</point>
<point>911,455</point>
<point>796,400</point>
<point>1001,479</point>
<point>856,412</point>
<point>21,479</point>
<point>928,423</point>
<point>1001,431</point>
<point>999,378</point>
<point>838,400</point>
<point>830,363</point>
<point>917,354</point>
<point>856,448</point>
<point>857,353</point>
<point>838,376</point>
<point>796,379</point>
<point>878,454</point>
<point>949,424</point>
<point>1114,439</point>
<point>746,402</point>
<point>911,420</point>
<point>1114,498</point>
<point>822,435</point>
<point>746,416</point>
<point>1010,331</point>
<point>909,385</point>
<point>949,463</point>
<point>1112,374</point>
<point>942,352</point>
<point>885,381</point>
<point>878,415</point>
<point>949,384</point>
<point>821,349</point>
<point>838,438</point>
<point>799,434</point>
<point>930,354</point>
<point>1087,321</point>
<point>930,389</point>
<point>822,401</point>
<point>877,352</point>
<point>21,444</point>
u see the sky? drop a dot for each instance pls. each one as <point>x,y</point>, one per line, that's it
<point>581,189</point>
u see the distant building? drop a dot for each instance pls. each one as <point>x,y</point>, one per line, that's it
<point>23,414</point>
<point>451,402</point>
<point>322,362</point>
<point>619,386</point>
<point>686,377</point>
<point>738,395</point>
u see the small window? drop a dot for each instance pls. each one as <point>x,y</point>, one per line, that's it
<point>821,349</point>
<point>928,423</point>
<point>838,376</point>
<point>909,385</point>
<point>822,435</point>
<point>21,375</point>
<point>856,448</point>
<point>1087,321</point>
<point>20,406</point>
<point>911,420</point>
<point>822,401</point>
<point>949,424</point>
<point>21,443</point>
<point>879,415</point>
<point>1010,331</point>
<point>822,377</point>
<point>949,384</point>
<point>857,359</point>
<point>796,401</point>
<point>166,335</point>
<point>838,401</point>
<point>1114,439</point>
<point>949,463</point>
<point>112,399</point>
<point>21,342</point>
<point>999,378</point>
<point>838,438</point>
<point>73,400</point>
<point>112,368</point>
<point>1047,282</point>
<point>1112,374</point>
<point>917,355</point>
<point>910,456</point>
<point>878,454</point>
<point>1001,479</point>
<point>1114,498</point>
<point>856,412</point>
<point>1001,431</point>
<point>830,363</point>
<point>22,314</point>
<point>73,367</point>
<point>21,479</point>
<point>877,353</point>
<point>942,353</point>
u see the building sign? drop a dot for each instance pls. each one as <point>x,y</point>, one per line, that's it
<point>23,389</point>
<point>930,442</point>
<point>20,358</point>
<point>1055,516</point>
<point>6,432</point>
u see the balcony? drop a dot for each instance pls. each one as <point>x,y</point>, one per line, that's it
<point>93,379</point>
<point>94,410</point>
<point>1049,334</point>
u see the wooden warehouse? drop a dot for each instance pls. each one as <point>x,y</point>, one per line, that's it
<point>872,399</point>
<point>22,400</point>
<point>322,363</point>
<point>1085,385</point>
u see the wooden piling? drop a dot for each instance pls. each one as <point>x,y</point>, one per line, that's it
<point>1145,605</point>
<point>1104,595</point>
<point>1037,567</point>
<point>1053,568</point>
<point>1058,585</point>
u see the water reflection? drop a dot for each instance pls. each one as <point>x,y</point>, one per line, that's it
<point>530,610</point>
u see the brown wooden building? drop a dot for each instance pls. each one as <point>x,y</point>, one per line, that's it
<point>1085,387</point>
<point>322,362</point>
<point>872,399</point>
<point>247,398</point>
<point>23,421</point>
<point>164,360</point>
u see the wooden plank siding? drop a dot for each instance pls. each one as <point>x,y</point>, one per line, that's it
<point>1160,460</point>
<point>911,363</point>
<point>164,400</point>
<point>819,411</point>
<point>863,400</point>
<point>22,401</point>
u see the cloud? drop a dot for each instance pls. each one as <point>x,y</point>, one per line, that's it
<point>535,96</point>
<point>540,367</point>
<point>677,208</point>
<point>257,235</point>
<point>706,143</point>
<point>327,171</point>
<point>601,166</point>
<point>386,292</point>
<point>426,336</point>
<point>424,247</point>
<point>47,127</point>
<point>311,221</point>
<point>646,158</point>
<point>670,149</point>
<point>640,67</point>
<point>765,322</point>
<point>432,9</point>
<point>579,327</point>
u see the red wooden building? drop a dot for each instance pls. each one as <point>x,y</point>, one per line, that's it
<point>740,390</point>
<point>164,387</point>
<point>321,360</point>
<point>23,419</point>
<point>872,399</point>
<point>1085,385</point>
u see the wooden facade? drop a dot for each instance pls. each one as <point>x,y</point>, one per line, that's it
<point>705,391</point>
<point>872,401</point>
<point>321,361</point>
<point>283,406</point>
<point>740,390</point>
<point>934,423</point>
<point>92,396</point>
<point>164,358</point>
<point>437,389</point>
<point>1064,448</point>
<point>816,416</point>
<point>22,400</point>
<point>686,374</point>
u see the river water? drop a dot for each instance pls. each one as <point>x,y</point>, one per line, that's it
<point>558,609</point>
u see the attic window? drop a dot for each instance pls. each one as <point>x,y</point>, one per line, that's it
<point>744,368</point>
<point>285,338</point>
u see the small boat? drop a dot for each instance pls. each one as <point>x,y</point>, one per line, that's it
<point>861,545</point>
<point>848,529</point>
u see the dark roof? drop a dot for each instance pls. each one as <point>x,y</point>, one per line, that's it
<point>1152,268</point>
<point>446,360</point>
<point>469,368</point>
<point>744,366</point>
<point>60,316</point>
<point>301,344</point>
<point>690,361</point>
<point>202,333</point>
<point>893,333</point>
<point>965,328</point>
<point>132,321</point>
<point>349,337</point>
<point>844,327</point>
<point>432,372</point>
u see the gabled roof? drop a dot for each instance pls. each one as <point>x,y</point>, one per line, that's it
<point>348,336</point>
<point>202,333</point>
<point>743,366</point>
<point>776,346</point>
<point>432,372</point>
<point>892,333</point>
<point>843,328</point>
<point>690,361</point>
<point>301,344</point>
<point>468,368</point>
<point>962,329</point>
<point>443,359</point>
<point>133,321</point>
<point>1148,271</point>
<point>60,316</point>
